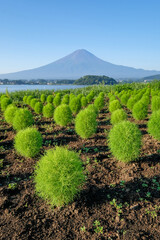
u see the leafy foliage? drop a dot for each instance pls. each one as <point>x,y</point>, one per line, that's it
<point>84,101</point>
<point>59,176</point>
<point>22,119</point>
<point>5,102</point>
<point>85,123</point>
<point>38,107</point>
<point>50,98</point>
<point>99,102</point>
<point>154,125</point>
<point>93,79</point>
<point>43,98</point>
<point>118,116</point>
<point>28,142</point>
<point>75,105</point>
<point>155,103</point>
<point>48,110</point>
<point>114,105</point>
<point>63,115</point>
<point>33,102</point>
<point>10,113</point>
<point>140,110</point>
<point>65,99</point>
<point>29,98</point>
<point>57,100</point>
<point>125,141</point>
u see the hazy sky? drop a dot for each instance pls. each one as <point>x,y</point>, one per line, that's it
<point>37,32</point>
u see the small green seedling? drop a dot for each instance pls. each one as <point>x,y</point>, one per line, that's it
<point>98,227</point>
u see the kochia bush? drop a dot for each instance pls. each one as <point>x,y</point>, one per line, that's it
<point>65,99</point>
<point>125,141</point>
<point>154,125</point>
<point>5,102</point>
<point>38,107</point>
<point>28,142</point>
<point>84,102</point>
<point>93,108</point>
<point>75,105</point>
<point>140,110</point>
<point>131,102</point>
<point>29,98</point>
<point>48,110</point>
<point>114,105</point>
<point>43,98</point>
<point>50,98</point>
<point>85,123</point>
<point>63,115</point>
<point>57,100</point>
<point>33,102</point>
<point>10,113</point>
<point>155,103</point>
<point>118,116</point>
<point>59,176</point>
<point>25,99</point>
<point>22,119</point>
<point>124,98</point>
<point>99,102</point>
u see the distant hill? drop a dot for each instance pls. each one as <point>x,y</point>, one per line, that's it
<point>76,65</point>
<point>93,79</point>
<point>150,78</point>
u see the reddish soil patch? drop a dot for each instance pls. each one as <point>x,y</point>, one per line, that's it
<point>123,198</point>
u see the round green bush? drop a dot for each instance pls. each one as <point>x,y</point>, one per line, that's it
<point>38,107</point>
<point>80,96</point>
<point>43,98</point>
<point>71,96</point>
<point>22,119</point>
<point>48,110</point>
<point>29,98</point>
<point>125,141</point>
<point>65,99</point>
<point>140,110</point>
<point>131,102</point>
<point>93,108</point>
<point>145,100</point>
<point>99,102</point>
<point>84,102</point>
<point>101,94</point>
<point>59,176</point>
<point>25,99</point>
<point>118,116</point>
<point>50,98</point>
<point>57,100</point>
<point>154,125</point>
<point>28,142</point>
<point>114,105</point>
<point>33,102</point>
<point>75,105</point>
<point>10,113</point>
<point>90,97</point>
<point>112,98</point>
<point>124,98</point>
<point>85,123</point>
<point>5,102</point>
<point>63,115</point>
<point>3,96</point>
<point>155,103</point>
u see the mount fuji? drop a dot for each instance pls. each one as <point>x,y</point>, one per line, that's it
<point>76,65</point>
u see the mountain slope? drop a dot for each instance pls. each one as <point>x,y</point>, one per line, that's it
<point>76,65</point>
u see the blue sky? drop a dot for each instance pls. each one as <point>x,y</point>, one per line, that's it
<point>37,32</point>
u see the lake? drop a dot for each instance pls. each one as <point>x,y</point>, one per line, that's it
<point>12,88</point>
